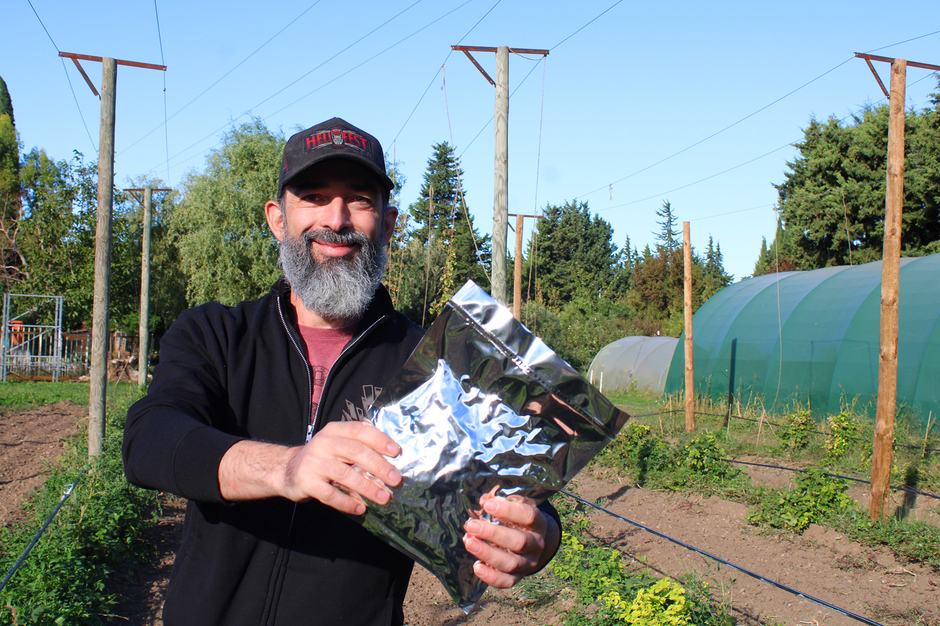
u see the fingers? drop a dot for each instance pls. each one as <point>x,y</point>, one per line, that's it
<point>511,549</point>
<point>344,463</point>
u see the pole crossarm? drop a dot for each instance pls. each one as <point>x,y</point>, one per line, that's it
<point>468,49</point>
<point>87,57</point>
<point>871,57</point>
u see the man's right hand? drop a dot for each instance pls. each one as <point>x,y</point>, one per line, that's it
<point>334,467</point>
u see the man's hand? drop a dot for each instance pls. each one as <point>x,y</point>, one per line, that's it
<point>522,543</point>
<point>333,467</point>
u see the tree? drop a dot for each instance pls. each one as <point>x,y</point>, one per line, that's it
<point>833,196</point>
<point>10,190</point>
<point>575,252</point>
<point>443,248</point>
<point>715,277</point>
<point>668,236</point>
<point>226,249</point>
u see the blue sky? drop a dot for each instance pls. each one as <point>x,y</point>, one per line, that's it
<point>637,103</point>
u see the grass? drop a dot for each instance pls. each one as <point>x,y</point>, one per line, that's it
<point>96,534</point>
<point>22,396</point>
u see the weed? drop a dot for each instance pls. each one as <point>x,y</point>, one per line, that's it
<point>815,496</point>
<point>843,429</point>
<point>96,533</point>
<point>795,434</point>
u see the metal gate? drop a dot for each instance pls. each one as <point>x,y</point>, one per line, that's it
<point>31,340</point>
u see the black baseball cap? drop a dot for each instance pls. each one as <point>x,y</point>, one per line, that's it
<point>332,139</point>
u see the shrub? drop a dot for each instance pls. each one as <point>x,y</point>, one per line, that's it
<point>815,496</point>
<point>795,434</point>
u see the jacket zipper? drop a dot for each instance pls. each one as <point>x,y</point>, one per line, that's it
<point>311,424</point>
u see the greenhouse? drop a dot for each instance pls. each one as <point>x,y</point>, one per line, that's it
<point>810,337</point>
<point>640,361</point>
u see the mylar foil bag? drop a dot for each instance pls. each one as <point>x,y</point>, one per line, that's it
<point>481,406</point>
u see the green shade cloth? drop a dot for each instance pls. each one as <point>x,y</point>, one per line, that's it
<point>812,337</point>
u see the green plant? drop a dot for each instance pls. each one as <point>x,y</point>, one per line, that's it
<point>843,428</point>
<point>795,433</point>
<point>706,459</point>
<point>96,533</point>
<point>815,496</point>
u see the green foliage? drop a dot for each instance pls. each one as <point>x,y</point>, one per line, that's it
<point>913,542</point>
<point>226,249</point>
<point>576,254</point>
<point>96,533</point>
<point>706,460</point>
<point>438,247</point>
<point>795,434</point>
<point>617,595</point>
<point>815,497</point>
<point>843,428</point>
<point>832,199</point>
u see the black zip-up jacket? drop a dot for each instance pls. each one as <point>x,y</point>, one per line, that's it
<point>230,373</point>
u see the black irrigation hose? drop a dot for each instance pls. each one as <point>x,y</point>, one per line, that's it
<point>815,432</point>
<point>858,480</point>
<point>32,544</point>
<point>774,583</point>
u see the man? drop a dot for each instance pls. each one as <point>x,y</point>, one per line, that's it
<point>251,416</point>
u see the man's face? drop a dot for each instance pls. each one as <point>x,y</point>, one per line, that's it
<point>333,235</point>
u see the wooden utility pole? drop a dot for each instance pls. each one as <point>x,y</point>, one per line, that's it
<point>98,388</point>
<point>143,361</point>
<point>689,363</point>
<point>99,320</point>
<point>501,170</point>
<point>883,447</point>
<point>517,268</point>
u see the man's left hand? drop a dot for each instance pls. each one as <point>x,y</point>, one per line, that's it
<point>522,543</point>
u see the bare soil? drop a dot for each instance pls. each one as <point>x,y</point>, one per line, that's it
<point>821,563</point>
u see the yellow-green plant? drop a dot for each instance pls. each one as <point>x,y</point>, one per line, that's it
<point>843,427</point>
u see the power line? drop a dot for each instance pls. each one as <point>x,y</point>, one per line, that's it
<point>437,73</point>
<point>607,186</point>
<point>67,78</point>
<point>166,132</point>
<point>221,78</point>
<point>230,122</point>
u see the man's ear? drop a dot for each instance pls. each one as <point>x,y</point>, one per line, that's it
<point>272,211</point>
<point>391,214</point>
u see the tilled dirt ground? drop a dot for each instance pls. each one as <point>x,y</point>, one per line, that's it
<point>868,582</point>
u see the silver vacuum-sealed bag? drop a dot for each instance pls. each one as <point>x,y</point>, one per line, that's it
<point>481,406</point>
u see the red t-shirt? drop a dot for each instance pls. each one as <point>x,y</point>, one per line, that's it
<point>324,345</point>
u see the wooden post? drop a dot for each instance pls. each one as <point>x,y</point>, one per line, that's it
<point>517,273</point>
<point>501,178</point>
<point>98,391</point>
<point>890,271</point>
<point>144,329</point>
<point>689,363</point>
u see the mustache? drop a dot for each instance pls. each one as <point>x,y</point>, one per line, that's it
<point>341,238</point>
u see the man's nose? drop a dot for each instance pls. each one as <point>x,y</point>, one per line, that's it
<point>337,216</point>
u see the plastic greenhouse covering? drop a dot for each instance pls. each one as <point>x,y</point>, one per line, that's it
<point>643,361</point>
<point>813,337</point>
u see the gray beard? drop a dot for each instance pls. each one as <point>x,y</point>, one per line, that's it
<point>337,289</point>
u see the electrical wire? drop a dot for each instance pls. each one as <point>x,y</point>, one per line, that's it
<point>67,78</point>
<point>221,78</point>
<point>738,568</point>
<point>440,68</point>
<point>166,132</point>
<point>230,122</point>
